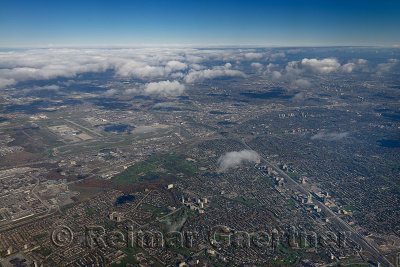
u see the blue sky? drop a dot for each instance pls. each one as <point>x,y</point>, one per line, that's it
<point>288,23</point>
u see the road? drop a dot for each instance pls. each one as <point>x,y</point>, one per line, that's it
<point>19,222</point>
<point>338,222</point>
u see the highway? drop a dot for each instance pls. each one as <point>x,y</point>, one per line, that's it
<point>338,222</point>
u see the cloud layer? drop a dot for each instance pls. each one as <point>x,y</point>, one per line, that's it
<point>325,65</point>
<point>294,70</point>
<point>168,71</point>
<point>146,64</point>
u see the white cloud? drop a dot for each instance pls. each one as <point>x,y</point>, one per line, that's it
<point>386,67</point>
<point>270,66</point>
<point>177,75</point>
<point>354,64</point>
<point>349,67</point>
<point>140,70</point>
<point>110,92</point>
<point>361,61</point>
<point>276,75</point>
<point>299,96</point>
<point>176,65</point>
<point>6,82</point>
<point>154,64</point>
<point>251,55</point>
<point>44,64</point>
<point>167,105</point>
<point>294,69</point>
<point>235,158</point>
<point>164,88</point>
<point>301,83</point>
<point>146,64</point>
<point>256,65</point>
<point>325,65</point>
<point>131,91</point>
<point>329,136</point>
<point>219,71</point>
<point>197,66</point>
<point>277,55</point>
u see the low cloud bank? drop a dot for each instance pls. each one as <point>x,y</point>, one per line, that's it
<point>165,71</point>
<point>146,64</point>
<point>295,69</point>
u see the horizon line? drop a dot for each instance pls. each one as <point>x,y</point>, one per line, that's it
<point>127,46</point>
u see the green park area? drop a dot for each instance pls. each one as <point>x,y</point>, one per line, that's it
<point>156,167</point>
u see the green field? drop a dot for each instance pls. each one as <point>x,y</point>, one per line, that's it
<point>156,167</point>
<point>85,192</point>
<point>349,208</point>
<point>157,211</point>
